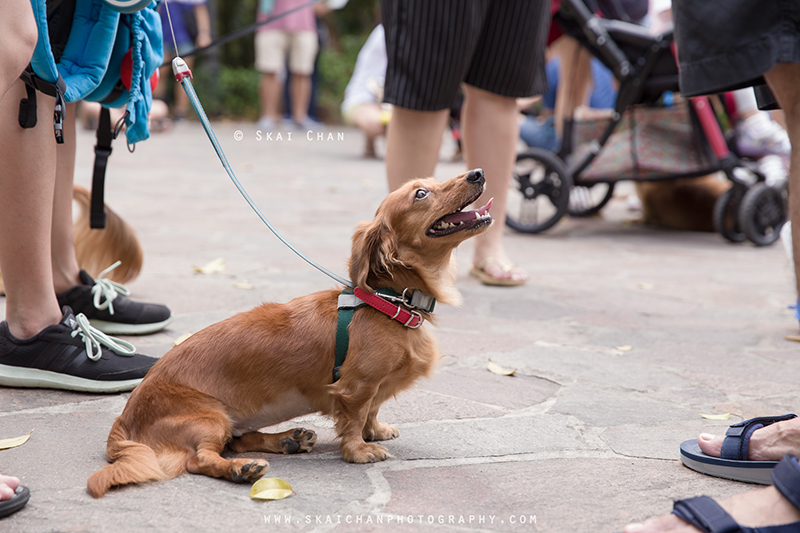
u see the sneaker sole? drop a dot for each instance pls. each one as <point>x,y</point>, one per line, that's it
<point>117,328</point>
<point>13,376</point>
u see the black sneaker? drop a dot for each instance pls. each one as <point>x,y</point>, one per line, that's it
<point>70,355</point>
<point>104,303</point>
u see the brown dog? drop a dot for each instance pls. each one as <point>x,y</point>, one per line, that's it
<point>275,362</point>
<point>685,204</point>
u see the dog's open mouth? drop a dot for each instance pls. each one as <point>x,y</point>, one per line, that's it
<point>462,220</point>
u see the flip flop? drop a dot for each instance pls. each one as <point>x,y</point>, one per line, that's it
<point>17,502</point>
<point>480,273</point>
<point>706,514</point>
<point>733,463</point>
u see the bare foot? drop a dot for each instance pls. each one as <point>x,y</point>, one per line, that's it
<point>8,484</point>
<point>755,508</point>
<point>769,443</point>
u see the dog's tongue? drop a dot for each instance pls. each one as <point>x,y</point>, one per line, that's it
<point>472,214</point>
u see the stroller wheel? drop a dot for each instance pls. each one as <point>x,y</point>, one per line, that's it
<point>763,214</point>
<point>585,201</point>
<point>726,210</point>
<point>539,191</point>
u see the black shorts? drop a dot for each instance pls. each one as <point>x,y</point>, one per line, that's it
<point>434,45</point>
<point>725,45</point>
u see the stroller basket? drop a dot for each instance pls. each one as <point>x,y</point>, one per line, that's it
<point>648,143</point>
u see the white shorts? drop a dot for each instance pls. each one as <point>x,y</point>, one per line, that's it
<point>272,47</point>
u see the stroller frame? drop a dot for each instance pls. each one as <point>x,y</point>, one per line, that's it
<point>645,67</point>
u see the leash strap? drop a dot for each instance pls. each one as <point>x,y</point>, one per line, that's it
<point>184,76</point>
<point>102,151</point>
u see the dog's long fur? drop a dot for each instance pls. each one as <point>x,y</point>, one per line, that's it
<point>275,362</point>
<point>98,249</point>
<point>685,204</point>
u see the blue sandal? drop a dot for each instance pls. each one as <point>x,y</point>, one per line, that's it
<point>733,463</point>
<point>17,502</point>
<point>706,514</point>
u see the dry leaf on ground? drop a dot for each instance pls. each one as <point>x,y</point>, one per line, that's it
<point>726,416</point>
<point>499,370</point>
<point>14,441</point>
<point>271,488</point>
<point>212,267</point>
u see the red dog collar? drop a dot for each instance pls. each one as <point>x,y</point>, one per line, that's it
<point>410,319</point>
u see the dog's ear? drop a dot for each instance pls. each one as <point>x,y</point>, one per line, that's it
<point>374,251</point>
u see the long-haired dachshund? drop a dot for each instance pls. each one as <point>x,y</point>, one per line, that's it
<point>276,362</point>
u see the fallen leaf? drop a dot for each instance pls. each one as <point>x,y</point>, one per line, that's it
<point>497,369</point>
<point>14,442</point>
<point>244,286</point>
<point>645,286</point>
<point>795,338</point>
<point>271,488</point>
<point>726,416</point>
<point>212,267</point>
<point>182,338</point>
<point>625,348</point>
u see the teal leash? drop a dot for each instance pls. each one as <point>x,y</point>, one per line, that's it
<point>183,75</point>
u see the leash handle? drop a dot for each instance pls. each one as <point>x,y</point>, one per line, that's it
<point>184,76</point>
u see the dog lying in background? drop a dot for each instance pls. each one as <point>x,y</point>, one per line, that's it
<point>97,249</point>
<point>276,362</point>
<point>685,204</point>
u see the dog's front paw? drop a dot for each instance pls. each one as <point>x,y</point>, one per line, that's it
<point>247,470</point>
<point>302,440</point>
<point>365,453</point>
<point>380,431</point>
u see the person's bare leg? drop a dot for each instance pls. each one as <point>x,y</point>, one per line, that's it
<point>65,265</point>
<point>574,80</point>
<point>301,97</point>
<point>18,36</point>
<point>26,204</point>
<point>413,140</point>
<point>490,133</point>
<point>784,80</point>
<point>270,92</point>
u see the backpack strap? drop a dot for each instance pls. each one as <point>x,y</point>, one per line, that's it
<point>102,150</point>
<point>27,106</point>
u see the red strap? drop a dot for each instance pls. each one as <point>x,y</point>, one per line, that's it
<point>399,313</point>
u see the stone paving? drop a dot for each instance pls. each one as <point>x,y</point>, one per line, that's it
<point>585,436</point>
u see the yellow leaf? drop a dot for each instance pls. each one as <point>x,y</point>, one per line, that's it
<point>14,442</point>
<point>182,338</point>
<point>212,267</point>
<point>645,286</point>
<point>795,338</point>
<point>497,369</point>
<point>271,488</point>
<point>625,348</point>
<point>726,416</point>
<point>244,286</point>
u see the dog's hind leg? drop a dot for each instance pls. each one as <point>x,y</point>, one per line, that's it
<point>208,461</point>
<point>297,440</point>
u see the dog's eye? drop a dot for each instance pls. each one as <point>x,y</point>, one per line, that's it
<point>421,194</point>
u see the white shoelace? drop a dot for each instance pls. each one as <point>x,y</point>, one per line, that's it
<point>105,290</point>
<point>93,339</point>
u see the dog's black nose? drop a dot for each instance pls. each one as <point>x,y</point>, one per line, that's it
<point>475,176</point>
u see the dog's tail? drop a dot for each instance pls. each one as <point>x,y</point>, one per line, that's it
<point>97,249</point>
<point>131,462</point>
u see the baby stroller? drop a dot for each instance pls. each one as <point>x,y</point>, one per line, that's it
<point>650,135</point>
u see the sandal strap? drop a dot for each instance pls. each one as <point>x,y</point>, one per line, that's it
<point>786,478</point>
<point>706,514</point>
<point>737,438</point>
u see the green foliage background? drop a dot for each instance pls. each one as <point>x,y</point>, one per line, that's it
<point>227,82</point>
